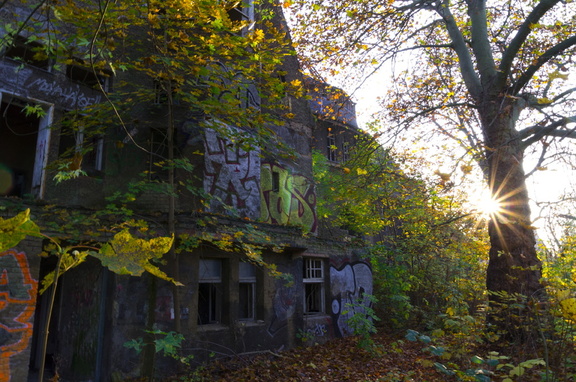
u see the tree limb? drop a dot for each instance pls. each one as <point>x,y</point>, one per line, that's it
<point>480,40</point>
<point>535,133</point>
<point>465,60</point>
<point>544,58</point>
<point>525,29</point>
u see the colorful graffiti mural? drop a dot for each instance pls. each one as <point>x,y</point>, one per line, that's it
<point>231,176</point>
<point>17,304</point>
<point>287,198</point>
<point>348,285</point>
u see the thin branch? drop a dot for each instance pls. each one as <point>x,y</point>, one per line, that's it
<point>465,60</point>
<point>543,59</point>
<point>525,29</point>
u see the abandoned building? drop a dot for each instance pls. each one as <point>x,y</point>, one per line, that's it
<point>227,304</point>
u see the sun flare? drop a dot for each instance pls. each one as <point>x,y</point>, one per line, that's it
<point>488,206</point>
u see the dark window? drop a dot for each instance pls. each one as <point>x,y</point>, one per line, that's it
<point>331,147</point>
<point>210,291</point>
<point>247,291</point>
<point>88,76</point>
<point>313,285</point>
<point>18,145</point>
<point>275,181</point>
<point>345,151</point>
<point>86,152</point>
<point>28,52</point>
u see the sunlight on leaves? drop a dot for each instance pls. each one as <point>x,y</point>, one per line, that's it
<point>129,255</point>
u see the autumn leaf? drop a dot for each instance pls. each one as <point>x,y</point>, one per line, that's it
<point>14,230</point>
<point>126,254</point>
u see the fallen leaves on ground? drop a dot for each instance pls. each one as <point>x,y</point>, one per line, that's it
<point>337,360</point>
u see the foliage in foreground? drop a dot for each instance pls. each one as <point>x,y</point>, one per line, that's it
<point>427,251</point>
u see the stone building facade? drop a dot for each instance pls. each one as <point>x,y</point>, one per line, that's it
<point>228,304</point>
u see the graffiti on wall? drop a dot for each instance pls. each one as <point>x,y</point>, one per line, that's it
<point>284,305</point>
<point>30,83</point>
<point>287,198</point>
<point>348,285</point>
<point>231,176</point>
<point>17,304</point>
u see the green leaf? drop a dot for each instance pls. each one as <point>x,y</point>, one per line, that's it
<point>477,360</point>
<point>68,261</point>
<point>14,230</point>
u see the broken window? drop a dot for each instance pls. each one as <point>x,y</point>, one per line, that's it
<point>210,292</point>
<point>24,140</point>
<point>247,291</point>
<point>313,285</point>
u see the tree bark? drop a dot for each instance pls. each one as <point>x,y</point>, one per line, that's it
<point>514,270</point>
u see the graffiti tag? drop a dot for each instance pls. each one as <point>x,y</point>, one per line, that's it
<point>292,201</point>
<point>231,176</point>
<point>17,304</point>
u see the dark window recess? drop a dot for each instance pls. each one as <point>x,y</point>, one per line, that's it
<point>313,302</point>
<point>18,137</point>
<point>247,291</point>
<point>346,151</point>
<point>209,303</point>
<point>332,148</point>
<point>157,170</point>
<point>313,278</point>
<point>28,52</point>
<point>275,181</point>
<point>246,303</point>
<point>88,77</point>
<point>210,291</point>
<point>237,14</point>
<point>85,152</point>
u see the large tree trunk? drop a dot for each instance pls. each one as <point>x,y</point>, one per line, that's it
<point>514,270</point>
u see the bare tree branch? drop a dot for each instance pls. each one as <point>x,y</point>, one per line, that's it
<point>525,29</point>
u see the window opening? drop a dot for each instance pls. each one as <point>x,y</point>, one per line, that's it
<point>313,286</point>
<point>157,171</point>
<point>247,291</point>
<point>242,11</point>
<point>87,152</point>
<point>346,151</point>
<point>87,76</point>
<point>275,181</point>
<point>331,147</point>
<point>24,140</point>
<point>28,52</point>
<point>210,291</point>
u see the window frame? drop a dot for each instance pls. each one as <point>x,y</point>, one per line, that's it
<point>313,279</point>
<point>250,281</point>
<point>215,296</point>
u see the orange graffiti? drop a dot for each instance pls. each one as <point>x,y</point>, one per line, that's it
<point>17,301</point>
